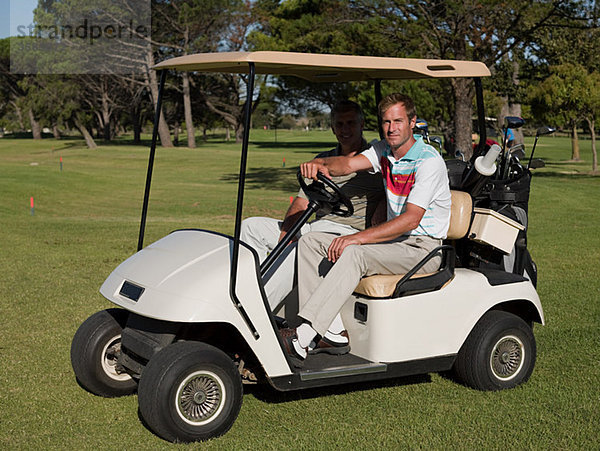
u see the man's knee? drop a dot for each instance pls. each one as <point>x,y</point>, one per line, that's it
<point>314,242</point>
<point>353,255</point>
<point>256,227</point>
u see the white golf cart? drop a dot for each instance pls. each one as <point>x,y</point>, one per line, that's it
<point>194,322</point>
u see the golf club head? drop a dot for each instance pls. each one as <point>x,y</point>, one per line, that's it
<point>517,151</point>
<point>545,130</point>
<point>421,125</point>
<point>436,140</point>
<point>537,163</point>
<point>514,122</point>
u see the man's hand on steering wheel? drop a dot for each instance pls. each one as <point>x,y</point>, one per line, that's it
<point>311,169</point>
<point>335,200</point>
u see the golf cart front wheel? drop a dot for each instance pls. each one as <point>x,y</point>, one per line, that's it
<point>94,352</point>
<point>189,392</point>
<point>499,353</point>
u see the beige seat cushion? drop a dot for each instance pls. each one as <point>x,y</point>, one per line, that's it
<point>460,214</point>
<point>383,285</point>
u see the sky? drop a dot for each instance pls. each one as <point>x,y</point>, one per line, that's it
<point>14,13</point>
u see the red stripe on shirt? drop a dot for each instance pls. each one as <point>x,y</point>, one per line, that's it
<point>398,184</point>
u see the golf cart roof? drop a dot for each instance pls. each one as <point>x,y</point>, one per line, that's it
<point>325,68</point>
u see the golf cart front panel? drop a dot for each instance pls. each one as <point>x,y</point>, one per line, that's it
<point>185,279</point>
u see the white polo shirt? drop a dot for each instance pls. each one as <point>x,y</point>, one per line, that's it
<point>420,177</point>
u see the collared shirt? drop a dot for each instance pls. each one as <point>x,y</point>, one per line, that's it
<point>420,177</point>
<point>364,190</point>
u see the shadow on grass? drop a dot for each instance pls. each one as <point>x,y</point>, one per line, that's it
<point>566,175</point>
<point>281,179</point>
<point>313,145</point>
<point>266,393</point>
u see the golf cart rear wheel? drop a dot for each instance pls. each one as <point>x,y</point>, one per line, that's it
<point>499,353</point>
<point>94,352</point>
<point>190,391</point>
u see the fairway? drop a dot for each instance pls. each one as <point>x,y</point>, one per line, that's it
<point>84,222</point>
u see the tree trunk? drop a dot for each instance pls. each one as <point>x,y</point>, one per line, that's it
<point>574,143</point>
<point>592,124</point>
<point>227,133</point>
<point>187,109</point>
<point>137,126</point>
<point>239,133</point>
<point>106,115</point>
<point>36,128</point>
<point>176,129</point>
<point>152,80</point>
<point>463,127</point>
<point>89,139</point>
<point>56,131</point>
<point>19,114</point>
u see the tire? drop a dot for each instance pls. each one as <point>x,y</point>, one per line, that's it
<point>189,392</point>
<point>499,353</point>
<point>94,351</point>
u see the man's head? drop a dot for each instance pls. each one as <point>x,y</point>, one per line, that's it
<point>398,118</point>
<point>347,122</point>
<point>392,99</point>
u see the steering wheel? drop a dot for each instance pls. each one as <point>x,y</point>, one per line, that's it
<point>335,202</point>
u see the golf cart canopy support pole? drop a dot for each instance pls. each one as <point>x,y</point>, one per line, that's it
<point>377,100</point>
<point>480,119</point>
<point>163,77</point>
<point>240,201</point>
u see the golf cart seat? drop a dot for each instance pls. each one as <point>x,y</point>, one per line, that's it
<point>397,285</point>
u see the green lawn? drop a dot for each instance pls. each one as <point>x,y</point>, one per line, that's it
<point>86,222</point>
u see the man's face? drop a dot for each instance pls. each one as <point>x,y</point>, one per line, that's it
<point>397,128</point>
<point>347,128</point>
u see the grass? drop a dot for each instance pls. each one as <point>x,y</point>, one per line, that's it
<point>86,222</point>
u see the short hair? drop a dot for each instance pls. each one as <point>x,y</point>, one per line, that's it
<point>344,106</point>
<point>392,99</point>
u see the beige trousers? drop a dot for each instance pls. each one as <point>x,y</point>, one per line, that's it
<point>324,288</point>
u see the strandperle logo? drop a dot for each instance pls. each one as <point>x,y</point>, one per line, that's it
<point>86,31</point>
<point>96,37</point>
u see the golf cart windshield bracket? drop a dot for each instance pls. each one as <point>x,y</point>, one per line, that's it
<point>163,77</point>
<point>240,203</point>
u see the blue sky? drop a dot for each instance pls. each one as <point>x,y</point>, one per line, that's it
<point>14,13</point>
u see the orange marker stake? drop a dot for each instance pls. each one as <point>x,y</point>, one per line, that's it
<point>60,164</point>
<point>284,162</point>
<point>32,207</point>
<point>291,199</point>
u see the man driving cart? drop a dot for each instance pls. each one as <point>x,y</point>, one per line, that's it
<point>418,204</point>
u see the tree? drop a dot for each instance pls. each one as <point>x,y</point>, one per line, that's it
<point>590,109</point>
<point>576,43</point>
<point>485,31</point>
<point>559,98</point>
<point>59,100</point>
<point>12,92</point>
<point>125,57</point>
<point>192,26</point>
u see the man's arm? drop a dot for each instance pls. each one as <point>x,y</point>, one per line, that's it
<point>407,221</point>
<point>335,166</point>
<point>297,207</point>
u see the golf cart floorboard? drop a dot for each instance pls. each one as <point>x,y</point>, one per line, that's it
<point>323,369</point>
<point>324,361</point>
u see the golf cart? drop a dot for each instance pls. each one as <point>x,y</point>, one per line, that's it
<point>193,322</point>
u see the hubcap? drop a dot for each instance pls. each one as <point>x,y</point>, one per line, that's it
<point>508,356</point>
<point>110,353</point>
<point>200,398</point>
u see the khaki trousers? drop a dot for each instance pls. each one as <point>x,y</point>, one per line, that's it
<point>324,288</point>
